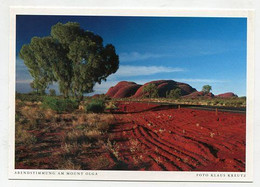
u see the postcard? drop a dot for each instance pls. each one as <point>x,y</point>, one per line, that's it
<point>131,95</point>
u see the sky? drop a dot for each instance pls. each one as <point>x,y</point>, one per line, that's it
<point>193,50</point>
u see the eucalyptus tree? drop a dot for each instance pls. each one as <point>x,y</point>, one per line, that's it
<point>74,58</point>
<point>151,90</point>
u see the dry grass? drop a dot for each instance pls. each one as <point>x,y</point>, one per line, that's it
<point>68,164</point>
<point>110,105</point>
<point>138,160</point>
<point>24,137</point>
<point>99,163</point>
<point>70,150</point>
<point>93,134</point>
<point>158,160</point>
<point>113,148</point>
<point>134,146</point>
<point>100,122</point>
<point>212,134</point>
<point>80,134</point>
<point>103,126</point>
<point>31,115</point>
<point>49,114</point>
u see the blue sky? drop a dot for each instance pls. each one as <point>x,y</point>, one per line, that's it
<point>196,51</point>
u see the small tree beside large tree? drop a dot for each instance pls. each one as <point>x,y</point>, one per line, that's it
<point>174,93</point>
<point>206,89</point>
<point>150,90</point>
<point>74,58</point>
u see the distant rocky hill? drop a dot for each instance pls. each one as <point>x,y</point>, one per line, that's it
<point>125,89</point>
<point>164,86</point>
<point>200,94</point>
<point>227,95</point>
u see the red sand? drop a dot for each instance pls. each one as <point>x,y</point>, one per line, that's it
<point>180,139</point>
<point>154,138</point>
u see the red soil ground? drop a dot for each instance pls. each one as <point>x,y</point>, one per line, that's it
<point>179,139</point>
<point>146,137</point>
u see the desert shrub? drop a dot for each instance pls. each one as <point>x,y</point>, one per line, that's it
<point>114,148</point>
<point>92,134</point>
<point>59,104</point>
<point>22,136</point>
<point>93,121</point>
<point>68,164</point>
<point>75,137</point>
<point>31,97</point>
<point>216,102</point>
<point>82,136</point>
<point>17,116</point>
<point>96,106</point>
<point>104,97</point>
<point>151,90</point>
<point>111,105</point>
<point>100,162</point>
<point>103,126</point>
<point>31,116</point>
<point>174,93</point>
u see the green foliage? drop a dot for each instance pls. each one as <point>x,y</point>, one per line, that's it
<point>206,88</point>
<point>74,58</point>
<point>151,90</point>
<point>59,104</point>
<point>110,105</point>
<point>31,97</point>
<point>96,106</point>
<point>52,92</point>
<point>174,93</point>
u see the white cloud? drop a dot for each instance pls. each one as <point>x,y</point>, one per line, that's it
<point>126,70</point>
<point>25,81</point>
<point>201,80</point>
<point>103,87</point>
<point>135,56</point>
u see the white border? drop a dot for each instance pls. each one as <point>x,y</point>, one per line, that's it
<point>136,175</point>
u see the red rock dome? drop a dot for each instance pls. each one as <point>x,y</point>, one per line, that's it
<point>164,86</point>
<point>123,89</point>
<point>131,89</point>
<point>227,95</point>
<point>200,94</point>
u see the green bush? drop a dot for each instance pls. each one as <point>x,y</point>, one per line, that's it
<point>96,106</point>
<point>151,90</point>
<point>59,104</point>
<point>31,97</point>
<point>174,93</point>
